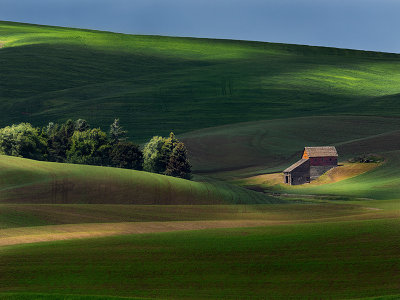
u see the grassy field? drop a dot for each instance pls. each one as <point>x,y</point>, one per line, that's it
<point>158,84</point>
<point>29,181</point>
<point>338,260</point>
<point>244,109</point>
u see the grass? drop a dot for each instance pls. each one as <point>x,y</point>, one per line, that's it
<point>34,182</point>
<point>338,260</point>
<point>160,84</point>
<point>26,296</point>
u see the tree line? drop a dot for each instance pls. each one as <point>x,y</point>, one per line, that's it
<point>76,142</point>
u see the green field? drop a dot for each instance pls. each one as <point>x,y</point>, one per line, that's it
<point>331,261</point>
<point>71,231</point>
<point>158,84</point>
<point>29,181</point>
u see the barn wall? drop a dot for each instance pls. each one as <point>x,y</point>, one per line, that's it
<point>316,171</point>
<point>323,161</point>
<point>299,175</point>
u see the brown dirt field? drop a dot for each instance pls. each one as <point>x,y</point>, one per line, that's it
<point>37,234</point>
<point>342,172</point>
<point>2,44</point>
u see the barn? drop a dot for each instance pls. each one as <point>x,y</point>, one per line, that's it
<point>314,162</point>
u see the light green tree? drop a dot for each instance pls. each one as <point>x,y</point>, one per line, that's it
<point>153,160</point>
<point>89,147</point>
<point>22,140</point>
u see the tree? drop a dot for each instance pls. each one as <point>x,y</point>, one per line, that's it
<point>89,147</point>
<point>153,160</point>
<point>59,140</point>
<point>81,125</point>
<point>166,150</point>
<point>22,140</point>
<point>126,155</point>
<point>178,164</point>
<point>117,134</point>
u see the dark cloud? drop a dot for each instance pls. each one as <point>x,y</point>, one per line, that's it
<point>357,24</point>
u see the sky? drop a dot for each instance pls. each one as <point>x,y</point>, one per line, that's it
<point>355,24</point>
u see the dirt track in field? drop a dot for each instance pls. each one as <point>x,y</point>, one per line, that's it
<point>37,234</point>
<point>26,235</point>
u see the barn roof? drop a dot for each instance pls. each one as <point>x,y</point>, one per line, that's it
<point>295,165</point>
<point>321,151</point>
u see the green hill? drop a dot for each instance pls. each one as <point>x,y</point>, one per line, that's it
<point>157,84</point>
<point>34,182</point>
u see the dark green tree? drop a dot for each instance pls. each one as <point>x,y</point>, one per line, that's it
<point>81,125</point>
<point>178,164</point>
<point>59,140</point>
<point>117,134</point>
<point>126,155</point>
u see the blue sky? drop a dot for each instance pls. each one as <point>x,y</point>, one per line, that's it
<point>355,24</point>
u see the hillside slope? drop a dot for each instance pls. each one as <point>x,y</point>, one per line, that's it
<point>158,84</point>
<point>252,148</point>
<point>30,181</point>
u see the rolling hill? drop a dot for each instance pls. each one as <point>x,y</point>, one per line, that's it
<point>33,182</point>
<point>160,84</point>
<point>243,109</point>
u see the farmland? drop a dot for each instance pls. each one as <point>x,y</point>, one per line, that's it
<point>160,84</point>
<point>245,110</point>
<point>293,261</point>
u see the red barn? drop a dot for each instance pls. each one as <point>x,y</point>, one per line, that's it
<point>314,162</point>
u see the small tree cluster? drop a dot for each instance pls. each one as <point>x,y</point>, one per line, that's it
<point>166,156</point>
<point>366,158</point>
<point>77,142</point>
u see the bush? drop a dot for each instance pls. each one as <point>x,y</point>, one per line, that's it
<point>366,158</point>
